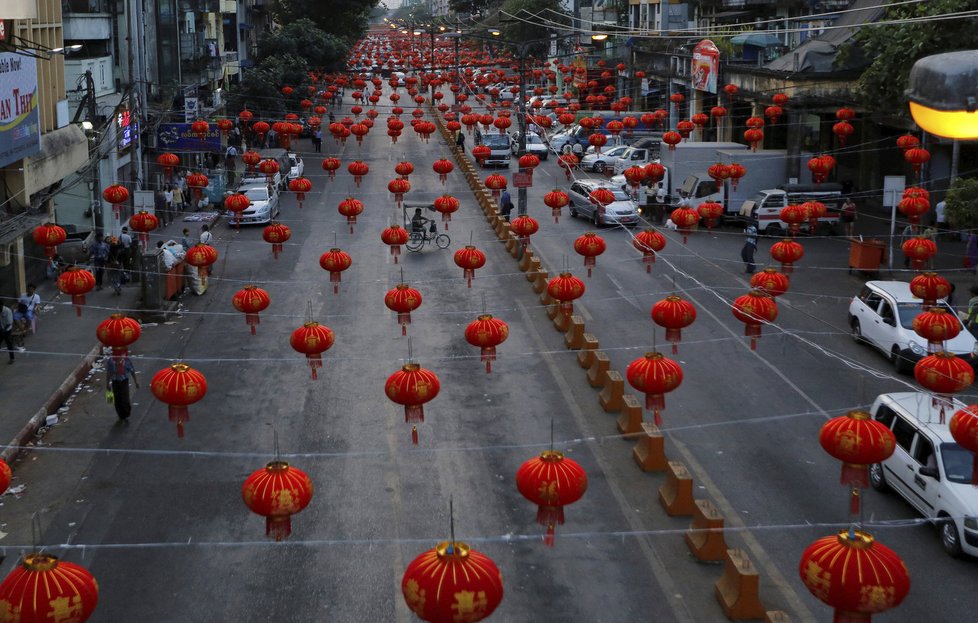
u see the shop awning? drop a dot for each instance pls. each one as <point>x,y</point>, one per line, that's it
<point>756,39</point>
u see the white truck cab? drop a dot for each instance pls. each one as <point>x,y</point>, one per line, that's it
<point>767,204</point>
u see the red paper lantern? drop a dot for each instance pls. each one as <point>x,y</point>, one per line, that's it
<point>252,158</point>
<point>359,130</point>
<point>178,386</point>
<point>201,256</point>
<point>200,128</point>
<point>358,168</point>
<point>700,120</point>
<point>787,252</point>
<point>77,282</point>
<point>143,222</point>
<point>403,299</point>
<point>116,194</point>
<point>964,428</point>
<point>814,210</point>
<point>119,332</point>
<point>523,227</point>
<point>735,171</point>
<point>634,175</point>
<point>794,216</point>
<point>845,114</point>
<point>677,99</point>
<point>300,186</point>
<point>754,309</point>
<point>395,236</point>
<point>730,89</point>
<point>943,374</point>
<point>236,204</point>
<point>335,261</point>
<point>469,258</point>
<point>277,492</point>
<point>780,99</point>
<point>672,139</point>
<point>443,167</point>
<point>913,205</point>
<point>330,165</point>
<point>590,245</point>
<point>398,187</point>
<point>858,441</point>
<point>930,287</point>
<point>446,204</point>
<point>250,300</point>
<point>198,182</point>
<point>404,169</point>
<point>754,137</point>
<point>245,116</point>
<point>452,582</point>
<point>718,113</point>
<point>551,481</point>
<point>276,234</point>
<point>710,212</point>
<point>601,196</point>
<point>598,140</point>
<point>685,220</point>
<point>42,588</point>
<point>260,128</point>
<point>480,153</point>
<point>565,288</point>
<point>555,200</point>
<point>821,166</point>
<point>487,333</point>
<point>350,208</point>
<point>225,126</point>
<point>674,314</point>
<point>936,326</point>
<point>654,172</point>
<point>916,156</point>
<point>755,123</point>
<point>568,162</point>
<point>842,131</point>
<point>907,141</point>
<point>770,282</point>
<point>412,386</point>
<point>502,124</point>
<point>169,162</point>
<point>685,127</point>
<point>312,340</point>
<point>855,575</point>
<point>719,172</point>
<point>649,242</point>
<point>654,375</point>
<point>919,250</point>
<point>773,113</point>
<point>529,162</point>
<point>5,476</point>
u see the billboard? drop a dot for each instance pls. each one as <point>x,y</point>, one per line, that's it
<point>178,137</point>
<point>706,66</point>
<point>20,120</point>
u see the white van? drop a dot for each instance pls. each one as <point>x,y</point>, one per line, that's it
<point>766,206</point>
<point>928,468</point>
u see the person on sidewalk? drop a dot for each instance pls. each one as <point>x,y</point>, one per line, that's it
<point>317,140</point>
<point>128,248</point>
<point>29,302</point>
<point>750,247</point>
<point>168,205</point>
<point>118,369</point>
<point>205,235</point>
<point>100,257</point>
<point>7,329</point>
<point>179,200</point>
<point>460,141</point>
<point>848,216</point>
<point>505,204</point>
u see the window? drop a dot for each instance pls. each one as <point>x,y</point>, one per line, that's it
<point>923,452</point>
<point>885,415</point>
<point>886,312</point>
<point>904,432</point>
<point>872,301</point>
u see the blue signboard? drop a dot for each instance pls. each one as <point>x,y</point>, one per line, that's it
<point>20,121</point>
<point>178,137</point>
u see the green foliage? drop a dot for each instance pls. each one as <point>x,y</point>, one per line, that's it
<point>525,27</point>
<point>472,7</point>
<point>962,203</point>
<point>413,13</point>
<point>894,48</point>
<point>345,19</point>
<point>260,91</point>
<point>303,39</point>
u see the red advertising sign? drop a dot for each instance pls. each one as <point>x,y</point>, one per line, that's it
<point>706,65</point>
<point>522,180</point>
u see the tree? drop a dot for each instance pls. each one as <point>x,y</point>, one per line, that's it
<point>346,19</point>
<point>472,7</point>
<point>961,210</point>
<point>895,47</point>
<point>303,39</point>
<point>527,26</point>
<point>260,90</point>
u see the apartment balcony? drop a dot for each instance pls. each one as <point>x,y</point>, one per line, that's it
<point>193,46</point>
<point>88,25</point>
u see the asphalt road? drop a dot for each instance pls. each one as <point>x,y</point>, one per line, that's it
<point>168,538</point>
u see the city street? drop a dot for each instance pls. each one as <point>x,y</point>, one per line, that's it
<point>160,522</point>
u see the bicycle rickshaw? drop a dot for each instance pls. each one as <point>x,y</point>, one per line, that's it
<point>428,232</point>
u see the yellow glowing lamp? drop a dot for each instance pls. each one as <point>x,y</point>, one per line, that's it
<point>943,94</point>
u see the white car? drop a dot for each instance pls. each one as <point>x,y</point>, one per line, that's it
<point>534,145</point>
<point>882,315</point>
<point>621,211</point>
<point>928,468</point>
<point>605,160</point>
<point>297,166</point>
<point>264,204</point>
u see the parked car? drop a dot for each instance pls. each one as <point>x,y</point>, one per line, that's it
<point>534,145</point>
<point>297,166</point>
<point>619,212</point>
<point>882,315</point>
<point>927,468</point>
<point>264,204</point>
<point>605,160</point>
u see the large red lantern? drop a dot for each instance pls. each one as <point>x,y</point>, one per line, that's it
<point>735,171</point>
<point>842,131</point>
<point>276,234</point>
<point>358,169</point>
<point>855,575</point>
<point>178,386</point>
<point>936,325</point>
<point>252,158</point>
<point>773,113</point>
<point>590,245</point>
<point>260,128</point>
<point>821,166</point>
<point>300,186</point>
<point>794,216</point>
<point>169,162</point>
<point>446,204</point>
<point>913,205</point>
<point>710,212</point>
<point>754,309</point>
<point>119,332</point>
<point>200,128</point>
<point>568,162</point>
<point>312,340</point>
<point>907,141</point>
<point>236,204</point>
<point>42,588</point>
<point>398,187</point>
<point>480,153</point>
<point>649,242</point>
<point>523,227</point>
<point>565,288</point>
<point>77,282</point>
<point>496,183</point>
<point>412,386</point>
<point>551,481</point>
<point>814,211</point>
<point>674,314</point>
<point>770,281</point>
<point>654,375</point>
<point>754,137</point>
<point>116,194</point>
<point>276,492</point>
<point>225,126</point>
<point>943,374</point>
<point>919,250</point>
<point>787,252</point>
<point>917,157</point>
<point>555,200</point>
<point>403,299</point>
<point>930,287</point>
<point>780,99</point>
<point>143,222</point>
<point>359,130</point>
<point>443,167</point>
<point>719,172</point>
<point>394,236</point>
<point>654,172</point>
<point>964,428</point>
<point>469,258</point>
<point>404,168</point>
<point>350,208</point>
<point>685,219</point>
<point>684,128</point>
<point>672,139</point>
<point>250,300</point>
<point>201,256</point>
<point>634,175</point>
<point>335,261</point>
<point>487,333</point>
<point>197,182</point>
<point>451,583</point>
<point>858,441</point>
<point>330,165</point>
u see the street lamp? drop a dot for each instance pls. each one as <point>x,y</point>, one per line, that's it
<point>944,94</point>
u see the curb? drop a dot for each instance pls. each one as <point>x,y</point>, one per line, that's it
<point>51,405</point>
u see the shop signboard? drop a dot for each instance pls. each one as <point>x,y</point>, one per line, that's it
<point>20,121</point>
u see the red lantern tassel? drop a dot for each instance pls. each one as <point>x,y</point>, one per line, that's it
<point>468,273</point>
<point>854,501</point>
<point>356,179</point>
<point>654,402</point>
<point>395,252</point>
<point>446,218</point>
<point>78,300</point>
<point>787,268</point>
<point>854,475</point>
<point>315,361</point>
<point>656,418</point>
<point>351,221</point>
<point>567,307</point>
<point>488,356</point>
<point>301,197</point>
<point>276,249</point>
<point>414,435</point>
<point>178,414</point>
<point>753,331</point>
<point>551,536</point>
<point>414,413</point>
<point>335,278</point>
<point>589,263</point>
<point>674,336</point>
<point>405,319</point>
<point>278,527</point>
<point>648,259</point>
<point>253,321</point>
<point>144,238</point>
<point>556,214</point>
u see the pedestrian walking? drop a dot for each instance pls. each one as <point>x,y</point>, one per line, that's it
<point>179,200</point>
<point>505,204</point>
<point>229,157</point>
<point>205,234</point>
<point>460,141</point>
<point>7,329</point>
<point>167,205</point>
<point>100,257</point>
<point>750,247</point>
<point>30,301</point>
<point>660,202</point>
<point>848,216</point>
<point>317,140</point>
<point>185,241</point>
<point>128,248</point>
<point>118,369</point>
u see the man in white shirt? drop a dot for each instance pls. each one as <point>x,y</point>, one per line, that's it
<point>660,203</point>
<point>940,221</point>
<point>205,235</point>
